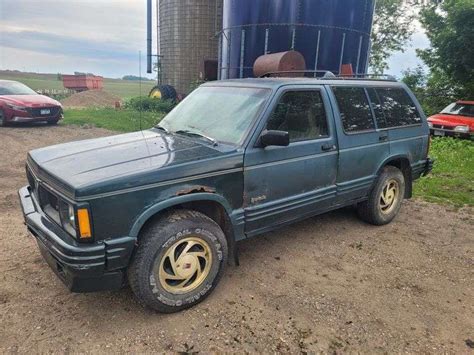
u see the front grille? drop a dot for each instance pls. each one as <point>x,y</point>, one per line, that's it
<point>448,128</point>
<point>36,112</point>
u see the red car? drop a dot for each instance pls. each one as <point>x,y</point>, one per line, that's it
<point>456,120</point>
<point>19,103</point>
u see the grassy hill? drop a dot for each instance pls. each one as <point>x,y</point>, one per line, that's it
<point>122,88</point>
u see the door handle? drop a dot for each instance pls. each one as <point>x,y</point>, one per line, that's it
<point>326,147</point>
<point>383,138</point>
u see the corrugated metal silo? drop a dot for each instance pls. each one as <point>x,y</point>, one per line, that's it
<point>187,36</point>
<point>329,33</point>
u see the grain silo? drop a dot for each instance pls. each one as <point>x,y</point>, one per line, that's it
<point>188,40</point>
<point>328,33</point>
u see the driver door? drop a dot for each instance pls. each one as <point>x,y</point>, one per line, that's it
<point>286,183</point>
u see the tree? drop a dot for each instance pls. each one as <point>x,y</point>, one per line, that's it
<point>450,29</point>
<point>434,90</point>
<point>392,27</point>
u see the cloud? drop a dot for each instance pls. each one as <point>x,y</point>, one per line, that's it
<point>50,43</point>
<point>401,61</point>
<point>104,34</point>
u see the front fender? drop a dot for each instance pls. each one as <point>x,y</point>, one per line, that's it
<point>153,210</point>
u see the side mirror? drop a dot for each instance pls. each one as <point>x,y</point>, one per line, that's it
<point>278,138</point>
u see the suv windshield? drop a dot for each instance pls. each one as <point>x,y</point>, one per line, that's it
<point>459,109</point>
<point>15,88</point>
<point>220,113</point>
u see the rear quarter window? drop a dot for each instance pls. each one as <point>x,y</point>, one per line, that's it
<point>356,115</point>
<point>397,106</point>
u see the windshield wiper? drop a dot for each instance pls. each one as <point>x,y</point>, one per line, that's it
<point>196,134</point>
<point>162,128</point>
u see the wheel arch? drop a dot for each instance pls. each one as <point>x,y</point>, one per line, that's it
<point>401,162</point>
<point>212,205</point>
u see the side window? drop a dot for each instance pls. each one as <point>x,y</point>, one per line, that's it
<point>301,114</point>
<point>398,107</point>
<point>354,107</point>
<point>377,106</point>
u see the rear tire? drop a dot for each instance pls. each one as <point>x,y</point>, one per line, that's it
<point>385,199</point>
<point>179,261</point>
<point>52,122</point>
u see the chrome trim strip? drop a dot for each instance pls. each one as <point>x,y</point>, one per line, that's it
<point>290,160</point>
<point>158,184</point>
<point>256,213</point>
<point>364,146</point>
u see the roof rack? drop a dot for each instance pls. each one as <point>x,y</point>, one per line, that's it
<point>324,74</point>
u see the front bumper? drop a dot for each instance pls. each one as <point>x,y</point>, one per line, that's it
<point>441,132</point>
<point>82,267</point>
<point>22,119</point>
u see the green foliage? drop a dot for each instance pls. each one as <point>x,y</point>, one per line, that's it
<point>450,29</point>
<point>195,84</point>
<point>146,103</point>
<point>452,178</point>
<point>135,78</point>
<point>392,27</point>
<point>109,118</point>
<point>435,91</point>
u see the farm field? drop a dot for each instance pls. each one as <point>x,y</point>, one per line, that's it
<point>117,120</point>
<point>123,88</point>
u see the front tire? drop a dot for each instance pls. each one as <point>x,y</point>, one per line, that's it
<point>179,261</point>
<point>385,199</point>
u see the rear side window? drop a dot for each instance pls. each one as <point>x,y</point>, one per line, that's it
<point>378,109</point>
<point>355,110</point>
<point>301,114</point>
<point>398,108</point>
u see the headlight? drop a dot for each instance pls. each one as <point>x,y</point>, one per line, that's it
<point>461,129</point>
<point>17,108</point>
<point>430,124</point>
<point>68,217</point>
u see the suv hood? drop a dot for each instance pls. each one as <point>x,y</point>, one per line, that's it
<point>124,161</point>
<point>29,100</point>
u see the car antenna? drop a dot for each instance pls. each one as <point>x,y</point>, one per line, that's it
<point>140,86</point>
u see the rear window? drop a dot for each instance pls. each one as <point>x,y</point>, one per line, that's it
<point>354,108</point>
<point>377,107</point>
<point>398,108</point>
<point>459,109</point>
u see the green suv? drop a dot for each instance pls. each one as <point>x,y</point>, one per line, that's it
<point>162,209</point>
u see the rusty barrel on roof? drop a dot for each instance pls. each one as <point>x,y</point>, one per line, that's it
<point>279,62</point>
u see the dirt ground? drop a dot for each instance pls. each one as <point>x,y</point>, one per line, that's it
<point>91,98</point>
<point>330,284</point>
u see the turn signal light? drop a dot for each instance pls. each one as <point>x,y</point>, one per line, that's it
<point>84,223</point>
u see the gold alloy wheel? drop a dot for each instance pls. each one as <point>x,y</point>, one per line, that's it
<point>389,196</point>
<point>185,265</point>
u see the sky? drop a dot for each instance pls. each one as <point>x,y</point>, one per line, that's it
<point>98,36</point>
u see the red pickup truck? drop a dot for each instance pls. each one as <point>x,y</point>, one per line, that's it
<point>456,120</point>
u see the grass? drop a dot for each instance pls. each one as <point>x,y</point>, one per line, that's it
<point>115,120</point>
<point>452,178</point>
<point>124,89</point>
<point>451,181</point>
